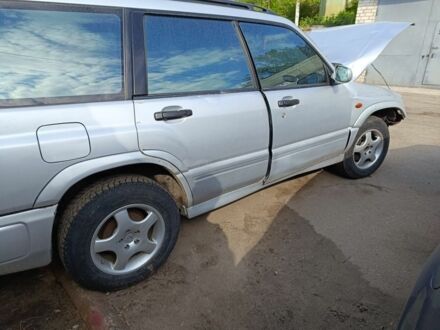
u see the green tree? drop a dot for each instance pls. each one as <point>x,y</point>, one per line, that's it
<point>286,8</point>
<point>309,12</point>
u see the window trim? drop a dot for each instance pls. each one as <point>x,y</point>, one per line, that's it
<point>124,94</point>
<point>281,88</point>
<point>141,90</point>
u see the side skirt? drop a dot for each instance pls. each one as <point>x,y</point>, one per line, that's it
<point>233,196</point>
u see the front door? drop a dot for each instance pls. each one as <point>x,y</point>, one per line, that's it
<point>310,116</point>
<point>432,73</point>
<point>201,109</point>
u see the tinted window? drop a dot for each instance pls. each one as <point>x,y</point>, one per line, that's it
<point>45,54</point>
<point>282,58</point>
<point>193,55</point>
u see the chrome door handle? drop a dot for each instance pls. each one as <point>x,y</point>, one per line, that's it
<point>171,115</point>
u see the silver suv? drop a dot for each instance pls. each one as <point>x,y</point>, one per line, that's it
<point>118,117</point>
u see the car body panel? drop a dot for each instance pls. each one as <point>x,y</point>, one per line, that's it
<point>295,145</point>
<point>58,186</point>
<point>366,42</point>
<point>422,310</point>
<point>232,196</point>
<point>75,145</point>
<point>109,126</point>
<point>32,240</point>
<point>222,147</point>
<point>372,98</point>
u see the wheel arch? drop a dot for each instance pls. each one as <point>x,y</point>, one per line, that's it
<point>74,178</point>
<point>391,116</point>
<point>391,112</point>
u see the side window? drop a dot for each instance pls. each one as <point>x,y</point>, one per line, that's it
<point>283,58</point>
<point>193,55</point>
<point>51,54</point>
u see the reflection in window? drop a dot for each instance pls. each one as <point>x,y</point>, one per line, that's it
<point>193,55</point>
<point>46,54</point>
<point>282,58</point>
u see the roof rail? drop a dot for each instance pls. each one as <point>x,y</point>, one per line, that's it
<point>235,4</point>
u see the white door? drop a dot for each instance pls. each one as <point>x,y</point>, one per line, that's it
<point>310,116</point>
<point>432,73</point>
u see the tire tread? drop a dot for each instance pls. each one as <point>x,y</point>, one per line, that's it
<point>88,195</point>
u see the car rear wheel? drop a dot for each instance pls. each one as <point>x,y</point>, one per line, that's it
<point>117,232</point>
<point>367,153</point>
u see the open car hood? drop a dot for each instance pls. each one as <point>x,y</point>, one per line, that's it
<point>356,46</point>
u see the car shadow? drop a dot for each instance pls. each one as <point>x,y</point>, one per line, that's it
<point>336,254</point>
<point>315,252</point>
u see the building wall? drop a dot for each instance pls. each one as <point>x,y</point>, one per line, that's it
<point>332,7</point>
<point>367,10</point>
<point>366,13</point>
<point>405,61</point>
<point>413,58</point>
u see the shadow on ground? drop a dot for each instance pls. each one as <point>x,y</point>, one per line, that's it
<point>337,254</point>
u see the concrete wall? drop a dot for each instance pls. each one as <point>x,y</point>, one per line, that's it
<point>367,10</point>
<point>404,61</point>
<point>332,7</point>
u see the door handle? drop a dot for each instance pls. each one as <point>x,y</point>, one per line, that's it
<point>171,115</point>
<point>285,103</point>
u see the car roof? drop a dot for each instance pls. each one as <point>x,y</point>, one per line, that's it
<point>179,6</point>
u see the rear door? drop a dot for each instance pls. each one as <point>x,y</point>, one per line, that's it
<point>310,116</point>
<point>197,104</point>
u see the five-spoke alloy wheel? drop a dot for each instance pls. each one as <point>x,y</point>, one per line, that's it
<point>127,239</point>
<point>367,153</point>
<point>368,149</point>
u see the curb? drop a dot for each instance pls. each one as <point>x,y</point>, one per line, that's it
<point>93,307</point>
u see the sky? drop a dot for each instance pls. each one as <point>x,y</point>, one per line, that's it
<point>55,54</point>
<point>193,55</point>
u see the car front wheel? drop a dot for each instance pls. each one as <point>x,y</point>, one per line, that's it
<point>368,152</point>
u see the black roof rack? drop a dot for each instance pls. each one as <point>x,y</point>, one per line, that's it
<point>235,4</point>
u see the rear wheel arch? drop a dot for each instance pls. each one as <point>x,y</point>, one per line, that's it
<point>157,173</point>
<point>161,175</point>
<point>76,176</point>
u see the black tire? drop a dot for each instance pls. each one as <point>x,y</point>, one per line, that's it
<point>348,167</point>
<point>85,213</point>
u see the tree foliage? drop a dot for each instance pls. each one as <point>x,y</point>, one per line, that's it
<point>309,12</point>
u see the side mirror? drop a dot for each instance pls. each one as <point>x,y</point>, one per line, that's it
<point>342,74</point>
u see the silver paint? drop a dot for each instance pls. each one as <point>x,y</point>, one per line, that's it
<point>34,247</point>
<point>356,46</point>
<point>218,155</point>
<point>130,242</point>
<point>63,142</point>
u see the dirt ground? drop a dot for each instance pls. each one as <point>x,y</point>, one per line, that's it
<point>34,300</point>
<point>317,252</point>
